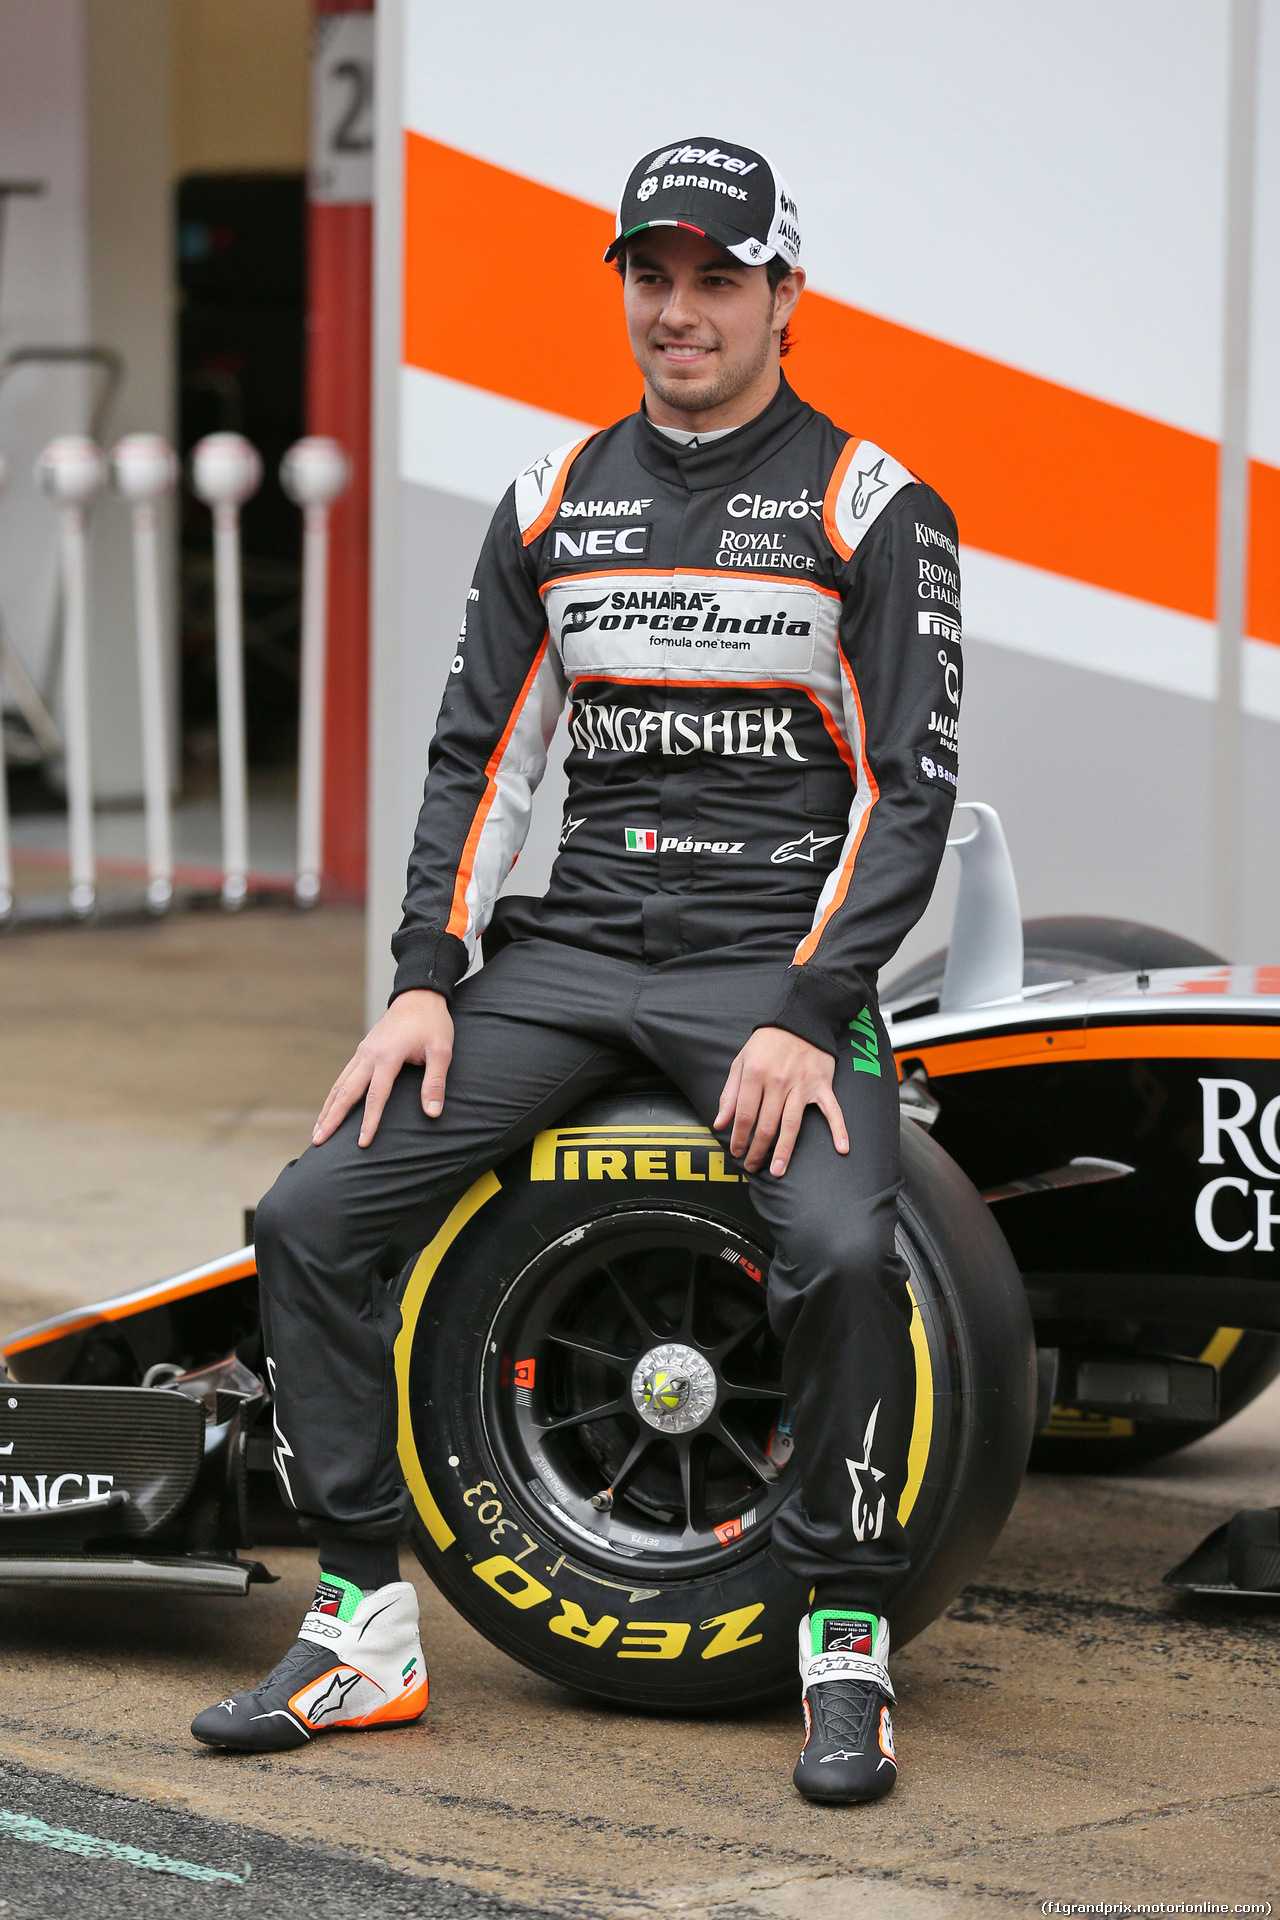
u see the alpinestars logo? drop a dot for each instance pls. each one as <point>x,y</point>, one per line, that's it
<point>539,471</point>
<point>803,849</point>
<point>848,1636</point>
<point>283,1451</point>
<point>867,1521</point>
<point>334,1698</point>
<point>869,485</point>
<point>570,827</point>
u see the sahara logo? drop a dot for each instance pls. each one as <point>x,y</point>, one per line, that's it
<point>283,1451</point>
<point>1233,1127</point>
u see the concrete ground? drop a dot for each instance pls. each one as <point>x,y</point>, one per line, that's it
<point>1070,1731</point>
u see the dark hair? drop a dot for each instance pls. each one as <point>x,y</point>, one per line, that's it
<point>776,271</point>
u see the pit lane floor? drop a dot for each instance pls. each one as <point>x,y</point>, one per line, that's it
<point>1069,1730</point>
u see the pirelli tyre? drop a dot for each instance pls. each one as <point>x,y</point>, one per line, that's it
<point>592,1425</point>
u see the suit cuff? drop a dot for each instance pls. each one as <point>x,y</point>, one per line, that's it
<point>427,958</point>
<point>816,1007</point>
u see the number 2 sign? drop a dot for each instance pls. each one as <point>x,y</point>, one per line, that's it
<point>341,172</point>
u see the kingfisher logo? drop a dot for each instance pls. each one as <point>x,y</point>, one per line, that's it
<point>641,839</point>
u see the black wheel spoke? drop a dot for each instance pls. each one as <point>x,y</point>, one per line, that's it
<point>693,1481</point>
<point>747,1451</point>
<point>645,1439</point>
<point>717,1354</point>
<point>621,1405</point>
<point>598,1349</point>
<point>645,1280</point>
<point>650,1335</point>
<point>690,1312</point>
<point>762,1390</point>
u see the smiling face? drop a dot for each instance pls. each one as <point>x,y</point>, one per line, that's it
<point>704,329</point>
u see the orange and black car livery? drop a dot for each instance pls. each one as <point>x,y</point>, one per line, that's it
<point>758,641</point>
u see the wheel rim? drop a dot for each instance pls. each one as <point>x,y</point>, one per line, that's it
<point>631,1385</point>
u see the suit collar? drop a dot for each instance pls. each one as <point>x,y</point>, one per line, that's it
<point>721,462</point>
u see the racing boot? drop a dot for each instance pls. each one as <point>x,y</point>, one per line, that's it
<point>847,1754</point>
<point>357,1662</point>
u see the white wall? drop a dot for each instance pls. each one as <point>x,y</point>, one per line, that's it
<point>85,107</point>
<point>44,289</point>
<point>1043,185</point>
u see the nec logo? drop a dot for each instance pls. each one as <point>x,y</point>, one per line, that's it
<point>601,543</point>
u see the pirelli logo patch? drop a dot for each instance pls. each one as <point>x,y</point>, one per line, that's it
<point>636,1153</point>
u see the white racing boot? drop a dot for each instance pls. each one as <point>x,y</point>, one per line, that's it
<point>847,1754</point>
<point>357,1663</point>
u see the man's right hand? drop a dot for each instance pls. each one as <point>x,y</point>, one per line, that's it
<point>415,1031</point>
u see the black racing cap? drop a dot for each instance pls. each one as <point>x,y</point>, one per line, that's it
<point>730,193</point>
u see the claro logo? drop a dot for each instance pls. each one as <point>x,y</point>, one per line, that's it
<point>1258,1202</point>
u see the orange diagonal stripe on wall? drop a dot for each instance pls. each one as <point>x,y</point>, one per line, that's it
<point>1262,608</point>
<point>517,301</point>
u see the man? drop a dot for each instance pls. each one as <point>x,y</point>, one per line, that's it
<point>754,616</point>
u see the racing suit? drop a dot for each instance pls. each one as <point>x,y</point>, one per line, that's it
<point>759,642</point>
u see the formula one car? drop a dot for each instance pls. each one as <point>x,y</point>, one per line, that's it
<point>592,1422</point>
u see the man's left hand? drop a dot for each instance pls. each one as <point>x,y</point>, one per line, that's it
<point>775,1077</point>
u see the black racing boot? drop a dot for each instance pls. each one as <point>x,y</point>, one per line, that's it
<point>847,1754</point>
<point>357,1662</point>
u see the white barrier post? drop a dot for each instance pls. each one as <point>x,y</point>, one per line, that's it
<point>71,471</point>
<point>225,472</point>
<point>6,855</point>
<point>144,468</point>
<point>313,473</point>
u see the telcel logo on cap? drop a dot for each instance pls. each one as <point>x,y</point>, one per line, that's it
<point>702,157</point>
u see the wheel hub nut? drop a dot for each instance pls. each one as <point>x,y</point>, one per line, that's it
<point>673,1388</point>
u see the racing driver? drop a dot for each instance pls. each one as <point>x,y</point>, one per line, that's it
<point>753,616</point>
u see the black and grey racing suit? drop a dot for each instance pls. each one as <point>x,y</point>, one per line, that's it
<point>758,640</point>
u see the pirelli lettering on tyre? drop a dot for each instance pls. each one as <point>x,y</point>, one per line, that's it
<point>640,1639</point>
<point>631,1154</point>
